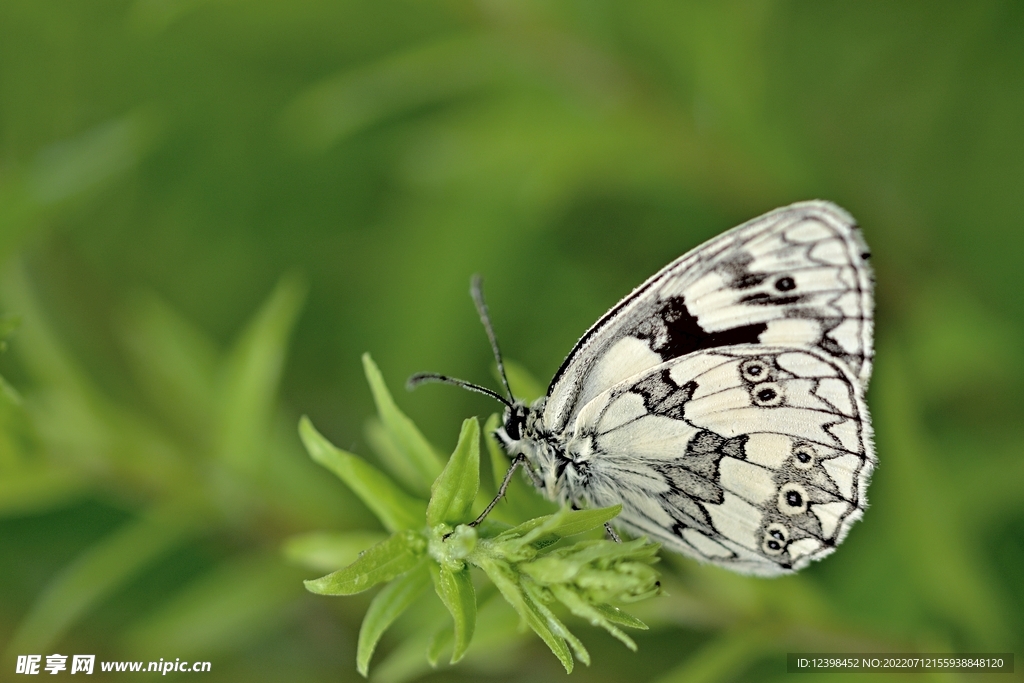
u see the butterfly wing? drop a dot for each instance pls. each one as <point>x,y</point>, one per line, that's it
<point>752,457</point>
<point>797,276</point>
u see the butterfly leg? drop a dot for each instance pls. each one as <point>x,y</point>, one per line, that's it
<point>516,462</point>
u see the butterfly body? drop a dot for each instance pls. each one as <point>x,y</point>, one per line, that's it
<point>721,403</point>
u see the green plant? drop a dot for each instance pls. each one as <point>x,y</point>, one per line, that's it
<point>430,542</point>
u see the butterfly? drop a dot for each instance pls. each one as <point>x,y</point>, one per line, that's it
<point>721,403</point>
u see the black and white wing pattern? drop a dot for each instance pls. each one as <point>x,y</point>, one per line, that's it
<point>797,276</point>
<point>753,457</point>
<point>722,401</point>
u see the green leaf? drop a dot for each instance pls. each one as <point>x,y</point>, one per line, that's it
<point>585,610</point>
<point>605,571</point>
<point>454,491</point>
<point>173,362</point>
<point>595,550</point>
<point>252,372</point>
<point>393,459</point>
<point>617,616</point>
<point>496,642</point>
<point>455,588</point>
<point>382,562</point>
<point>410,441</point>
<point>498,635</point>
<point>395,508</point>
<point>327,551</point>
<point>563,523</point>
<point>536,595</point>
<point>439,643</point>
<point>504,578</point>
<point>580,521</point>
<point>387,606</point>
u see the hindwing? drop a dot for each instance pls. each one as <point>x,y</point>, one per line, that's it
<point>753,457</point>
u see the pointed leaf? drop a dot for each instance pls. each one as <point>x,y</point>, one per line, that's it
<point>327,551</point>
<point>174,362</point>
<point>585,610</point>
<point>382,562</point>
<point>603,550</point>
<point>580,521</point>
<point>387,606</point>
<point>455,588</point>
<point>617,616</point>
<point>564,523</point>
<point>252,373</point>
<point>395,508</point>
<point>410,441</point>
<point>439,643</point>
<point>454,491</point>
<point>534,595</point>
<point>510,589</point>
<point>393,459</point>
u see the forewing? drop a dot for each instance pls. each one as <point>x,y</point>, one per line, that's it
<point>752,457</point>
<point>797,276</point>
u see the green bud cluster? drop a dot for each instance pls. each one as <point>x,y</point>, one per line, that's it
<point>430,542</point>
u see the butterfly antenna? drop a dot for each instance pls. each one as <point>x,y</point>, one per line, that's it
<point>477,291</point>
<point>424,377</point>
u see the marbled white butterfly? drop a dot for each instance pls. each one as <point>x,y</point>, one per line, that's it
<point>722,401</point>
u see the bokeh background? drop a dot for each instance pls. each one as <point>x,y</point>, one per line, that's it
<point>209,209</point>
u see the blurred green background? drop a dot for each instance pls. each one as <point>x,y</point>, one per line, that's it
<point>210,209</point>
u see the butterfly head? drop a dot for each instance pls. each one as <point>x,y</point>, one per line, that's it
<point>515,421</point>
